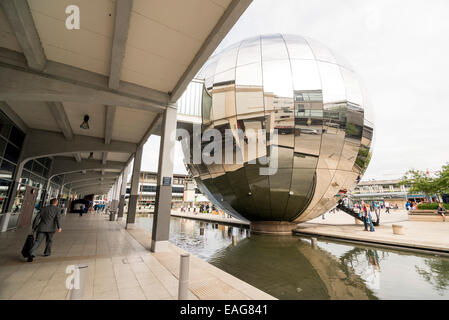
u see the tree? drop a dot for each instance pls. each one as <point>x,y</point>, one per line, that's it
<point>443,180</point>
<point>420,182</point>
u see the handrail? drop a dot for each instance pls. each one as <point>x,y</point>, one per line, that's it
<point>352,213</point>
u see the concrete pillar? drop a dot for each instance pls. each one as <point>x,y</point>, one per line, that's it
<point>115,196</point>
<point>162,211</point>
<point>119,189</point>
<point>121,204</point>
<point>134,195</point>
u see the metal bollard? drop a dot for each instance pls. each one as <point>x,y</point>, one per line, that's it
<point>77,292</point>
<point>4,221</point>
<point>234,236</point>
<point>314,243</point>
<point>183,289</point>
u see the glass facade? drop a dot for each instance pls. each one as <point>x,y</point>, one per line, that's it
<point>11,141</point>
<point>35,174</point>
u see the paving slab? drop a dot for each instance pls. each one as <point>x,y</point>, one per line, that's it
<point>120,266</point>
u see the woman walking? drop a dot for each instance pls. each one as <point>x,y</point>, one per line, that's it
<point>442,211</point>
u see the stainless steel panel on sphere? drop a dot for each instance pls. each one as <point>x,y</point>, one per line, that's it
<point>306,97</point>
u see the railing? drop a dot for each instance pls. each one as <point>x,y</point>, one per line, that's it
<point>351,212</point>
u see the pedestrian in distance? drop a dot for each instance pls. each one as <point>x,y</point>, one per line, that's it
<point>442,211</point>
<point>407,206</point>
<point>82,206</point>
<point>45,224</point>
<point>364,209</point>
<point>369,220</point>
<point>387,207</point>
<point>377,210</point>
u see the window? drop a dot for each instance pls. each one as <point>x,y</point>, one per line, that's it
<point>5,126</point>
<point>12,153</point>
<point>17,137</point>
<point>8,167</point>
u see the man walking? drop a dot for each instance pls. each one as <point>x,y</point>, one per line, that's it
<point>387,207</point>
<point>46,224</point>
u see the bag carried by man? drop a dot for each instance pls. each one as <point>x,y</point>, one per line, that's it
<point>29,242</point>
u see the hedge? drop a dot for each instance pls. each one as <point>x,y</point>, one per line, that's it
<point>431,206</point>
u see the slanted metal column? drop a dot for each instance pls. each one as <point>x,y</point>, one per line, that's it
<point>132,205</point>
<point>162,212</point>
<point>45,195</point>
<point>14,187</point>
<point>121,204</point>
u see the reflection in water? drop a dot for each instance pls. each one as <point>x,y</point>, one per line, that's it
<point>436,272</point>
<point>288,267</point>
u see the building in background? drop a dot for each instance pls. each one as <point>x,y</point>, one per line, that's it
<point>184,191</point>
<point>385,190</point>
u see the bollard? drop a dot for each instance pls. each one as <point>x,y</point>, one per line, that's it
<point>234,236</point>
<point>314,243</point>
<point>77,292</point>
<point>398,229</point>
<point>183,289</point>
<point>4,221</point>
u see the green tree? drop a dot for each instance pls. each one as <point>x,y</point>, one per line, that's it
<point>420,182</point>
<point>443,180</point>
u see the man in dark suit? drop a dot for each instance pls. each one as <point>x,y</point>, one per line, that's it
<point>46,224</point>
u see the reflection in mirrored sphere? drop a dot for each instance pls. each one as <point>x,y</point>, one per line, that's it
<point>310,100</point>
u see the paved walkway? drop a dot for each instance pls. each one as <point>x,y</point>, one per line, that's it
<point>417,234</point>
<point>119,266</point>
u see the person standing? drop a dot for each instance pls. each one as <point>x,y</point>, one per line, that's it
<point>377,210</point>
<point>46,224</point>
<point>387,207</point>
<point>442,211</point>
<point>369,220</point>
<point>364,209</point>
<point>407,206</point>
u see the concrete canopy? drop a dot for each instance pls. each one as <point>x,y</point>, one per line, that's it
<point>128,62</point>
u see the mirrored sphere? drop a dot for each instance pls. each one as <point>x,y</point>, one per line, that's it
<point>310,103</point>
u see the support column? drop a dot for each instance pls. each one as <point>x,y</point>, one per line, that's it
<point>121,204</point>
<point>132,205</point>
<point>115,189</point>
<point>162,211</point>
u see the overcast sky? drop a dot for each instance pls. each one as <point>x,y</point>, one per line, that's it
<point>401,51</point>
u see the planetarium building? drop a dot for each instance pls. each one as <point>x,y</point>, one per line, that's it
<point>310,105</point>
